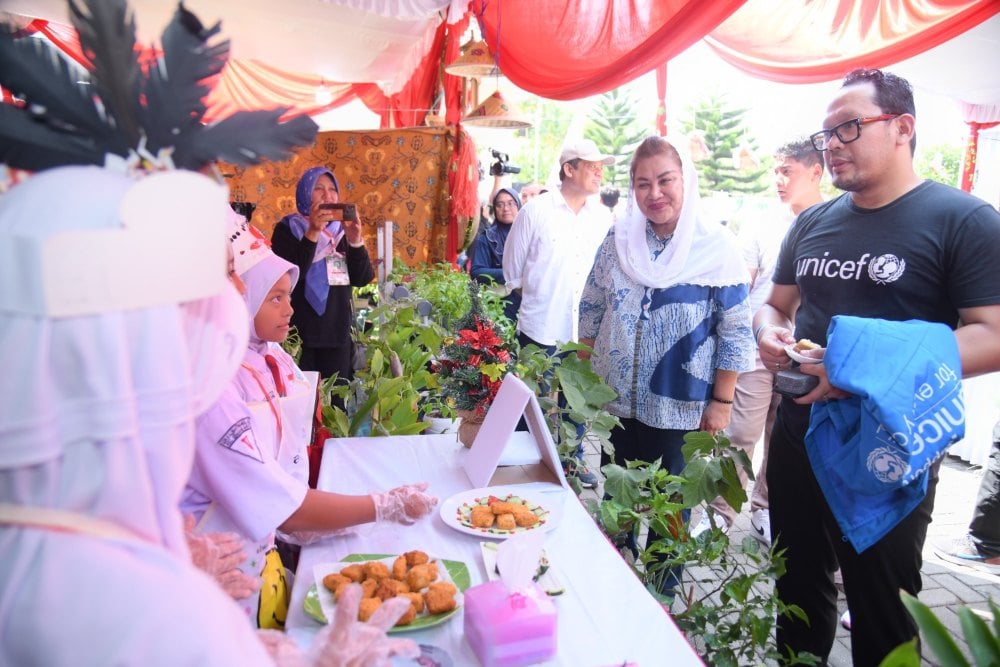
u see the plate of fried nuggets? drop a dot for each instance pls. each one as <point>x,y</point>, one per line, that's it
<point>503,514</point>
<point>498,513</point>
<point>433,587</point>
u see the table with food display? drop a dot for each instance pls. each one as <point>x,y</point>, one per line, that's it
<point>600,612</point>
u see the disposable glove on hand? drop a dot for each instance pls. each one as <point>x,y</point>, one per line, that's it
<point>347,642</point>
<point>220,555</point>
<point>404,504</point>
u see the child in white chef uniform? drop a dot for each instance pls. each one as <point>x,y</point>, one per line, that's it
<point>251,467</point>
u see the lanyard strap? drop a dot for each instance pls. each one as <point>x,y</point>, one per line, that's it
<point>272,402</point>
<point>64,521</point>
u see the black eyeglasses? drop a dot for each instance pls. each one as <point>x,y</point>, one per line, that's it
<point>847,131</point>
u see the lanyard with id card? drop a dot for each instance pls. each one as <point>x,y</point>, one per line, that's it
<point>336,270</point>
<point>336,263</point>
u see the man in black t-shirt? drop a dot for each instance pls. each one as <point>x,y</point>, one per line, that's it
<point>893,247</point>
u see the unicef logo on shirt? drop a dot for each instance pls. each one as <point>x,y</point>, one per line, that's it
<point>886,465</point>
<point>886,269</point>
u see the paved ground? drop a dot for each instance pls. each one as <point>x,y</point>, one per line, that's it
<point>946,586</point>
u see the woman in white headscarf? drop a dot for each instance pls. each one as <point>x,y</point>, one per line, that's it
<point>251,464</point>
<point>665,309</point>
<point>97,421</point>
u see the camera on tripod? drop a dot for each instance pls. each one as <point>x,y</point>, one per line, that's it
<point>502,165</point>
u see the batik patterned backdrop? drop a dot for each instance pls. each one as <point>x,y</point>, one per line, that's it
<point>397,175</point>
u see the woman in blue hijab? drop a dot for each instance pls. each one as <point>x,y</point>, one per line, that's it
<point>332,257</point>
<point>487,250</point>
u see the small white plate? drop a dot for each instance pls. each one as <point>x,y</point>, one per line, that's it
<point>545,507</point>
<point>803,359</point>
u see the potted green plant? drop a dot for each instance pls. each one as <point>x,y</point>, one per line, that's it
<point>471,367</point>
<point>730,619</point>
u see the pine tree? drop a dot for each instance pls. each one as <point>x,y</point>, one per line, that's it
<point>614,126</point>
<point>722,130</point>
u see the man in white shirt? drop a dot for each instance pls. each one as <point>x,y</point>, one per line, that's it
<point>552,246</point>
<point>551,249</point>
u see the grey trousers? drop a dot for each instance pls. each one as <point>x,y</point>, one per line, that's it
<point>985,525</point>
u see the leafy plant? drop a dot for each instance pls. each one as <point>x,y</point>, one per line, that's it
<point>293,344</point>
<point>385,396</point>
<point>585,392</point>
<point>983,641</point>
<point>444,286</point>
<point>472,364</point>
<point>732,622</point>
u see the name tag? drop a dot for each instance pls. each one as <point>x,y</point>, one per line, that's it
<point>336,270</point>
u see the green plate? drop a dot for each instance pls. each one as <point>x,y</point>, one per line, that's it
<point>458,572</point>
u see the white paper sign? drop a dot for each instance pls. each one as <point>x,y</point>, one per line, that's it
<point>513,400</point>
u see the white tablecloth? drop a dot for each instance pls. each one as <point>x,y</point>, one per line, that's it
<point>605,616</point>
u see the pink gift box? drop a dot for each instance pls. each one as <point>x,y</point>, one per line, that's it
<point>509,629</point>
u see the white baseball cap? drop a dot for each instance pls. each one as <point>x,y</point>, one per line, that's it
<point>584,149</point>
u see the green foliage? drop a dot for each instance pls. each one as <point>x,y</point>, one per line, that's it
<point>472,364</point>
<point>731,623</point>
<point>536,150</point>
<point>444,286</point>
<point>983,641</point>
<point>942,163</point>
<point>293,344</point>
<point>386,401</point>
<point>586,395</point>
<point>614,126</point>
<point>723,131</point>
<point>382,398</point>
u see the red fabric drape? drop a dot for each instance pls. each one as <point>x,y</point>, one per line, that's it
<point>567,50</point>
<point>463,178</point>
<point>248,85</point>
<point>821,40</point>
<point>63,36</point>
<point>453,84</point>
<point>408,107</point>
<point>971,148</point>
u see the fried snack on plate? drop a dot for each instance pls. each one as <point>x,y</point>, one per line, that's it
<point>482,517</point>
<point>502,507</point>
<point>399,568</point>
<point>367,589</point>
<point>390,588</point>
<point>420,576</point>
<point>367,608</point>
<point>506,521</point>
<point>416,599</point>
<point>525,518</point>
<point>416,557</point>
<point>439,600</point>
<point>376,570</point>
<point>409,616</point>
<point>333,581</point>
<point>354,572</point>
<point>445,586</point>
<point>804,344</point>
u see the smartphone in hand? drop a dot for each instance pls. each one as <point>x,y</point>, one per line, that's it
<point>794,383</point>
<point>347,211</point>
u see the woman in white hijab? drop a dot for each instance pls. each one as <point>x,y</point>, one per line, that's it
<point>665,309</point>
<point>97,411</point>
<point>251,469</point>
